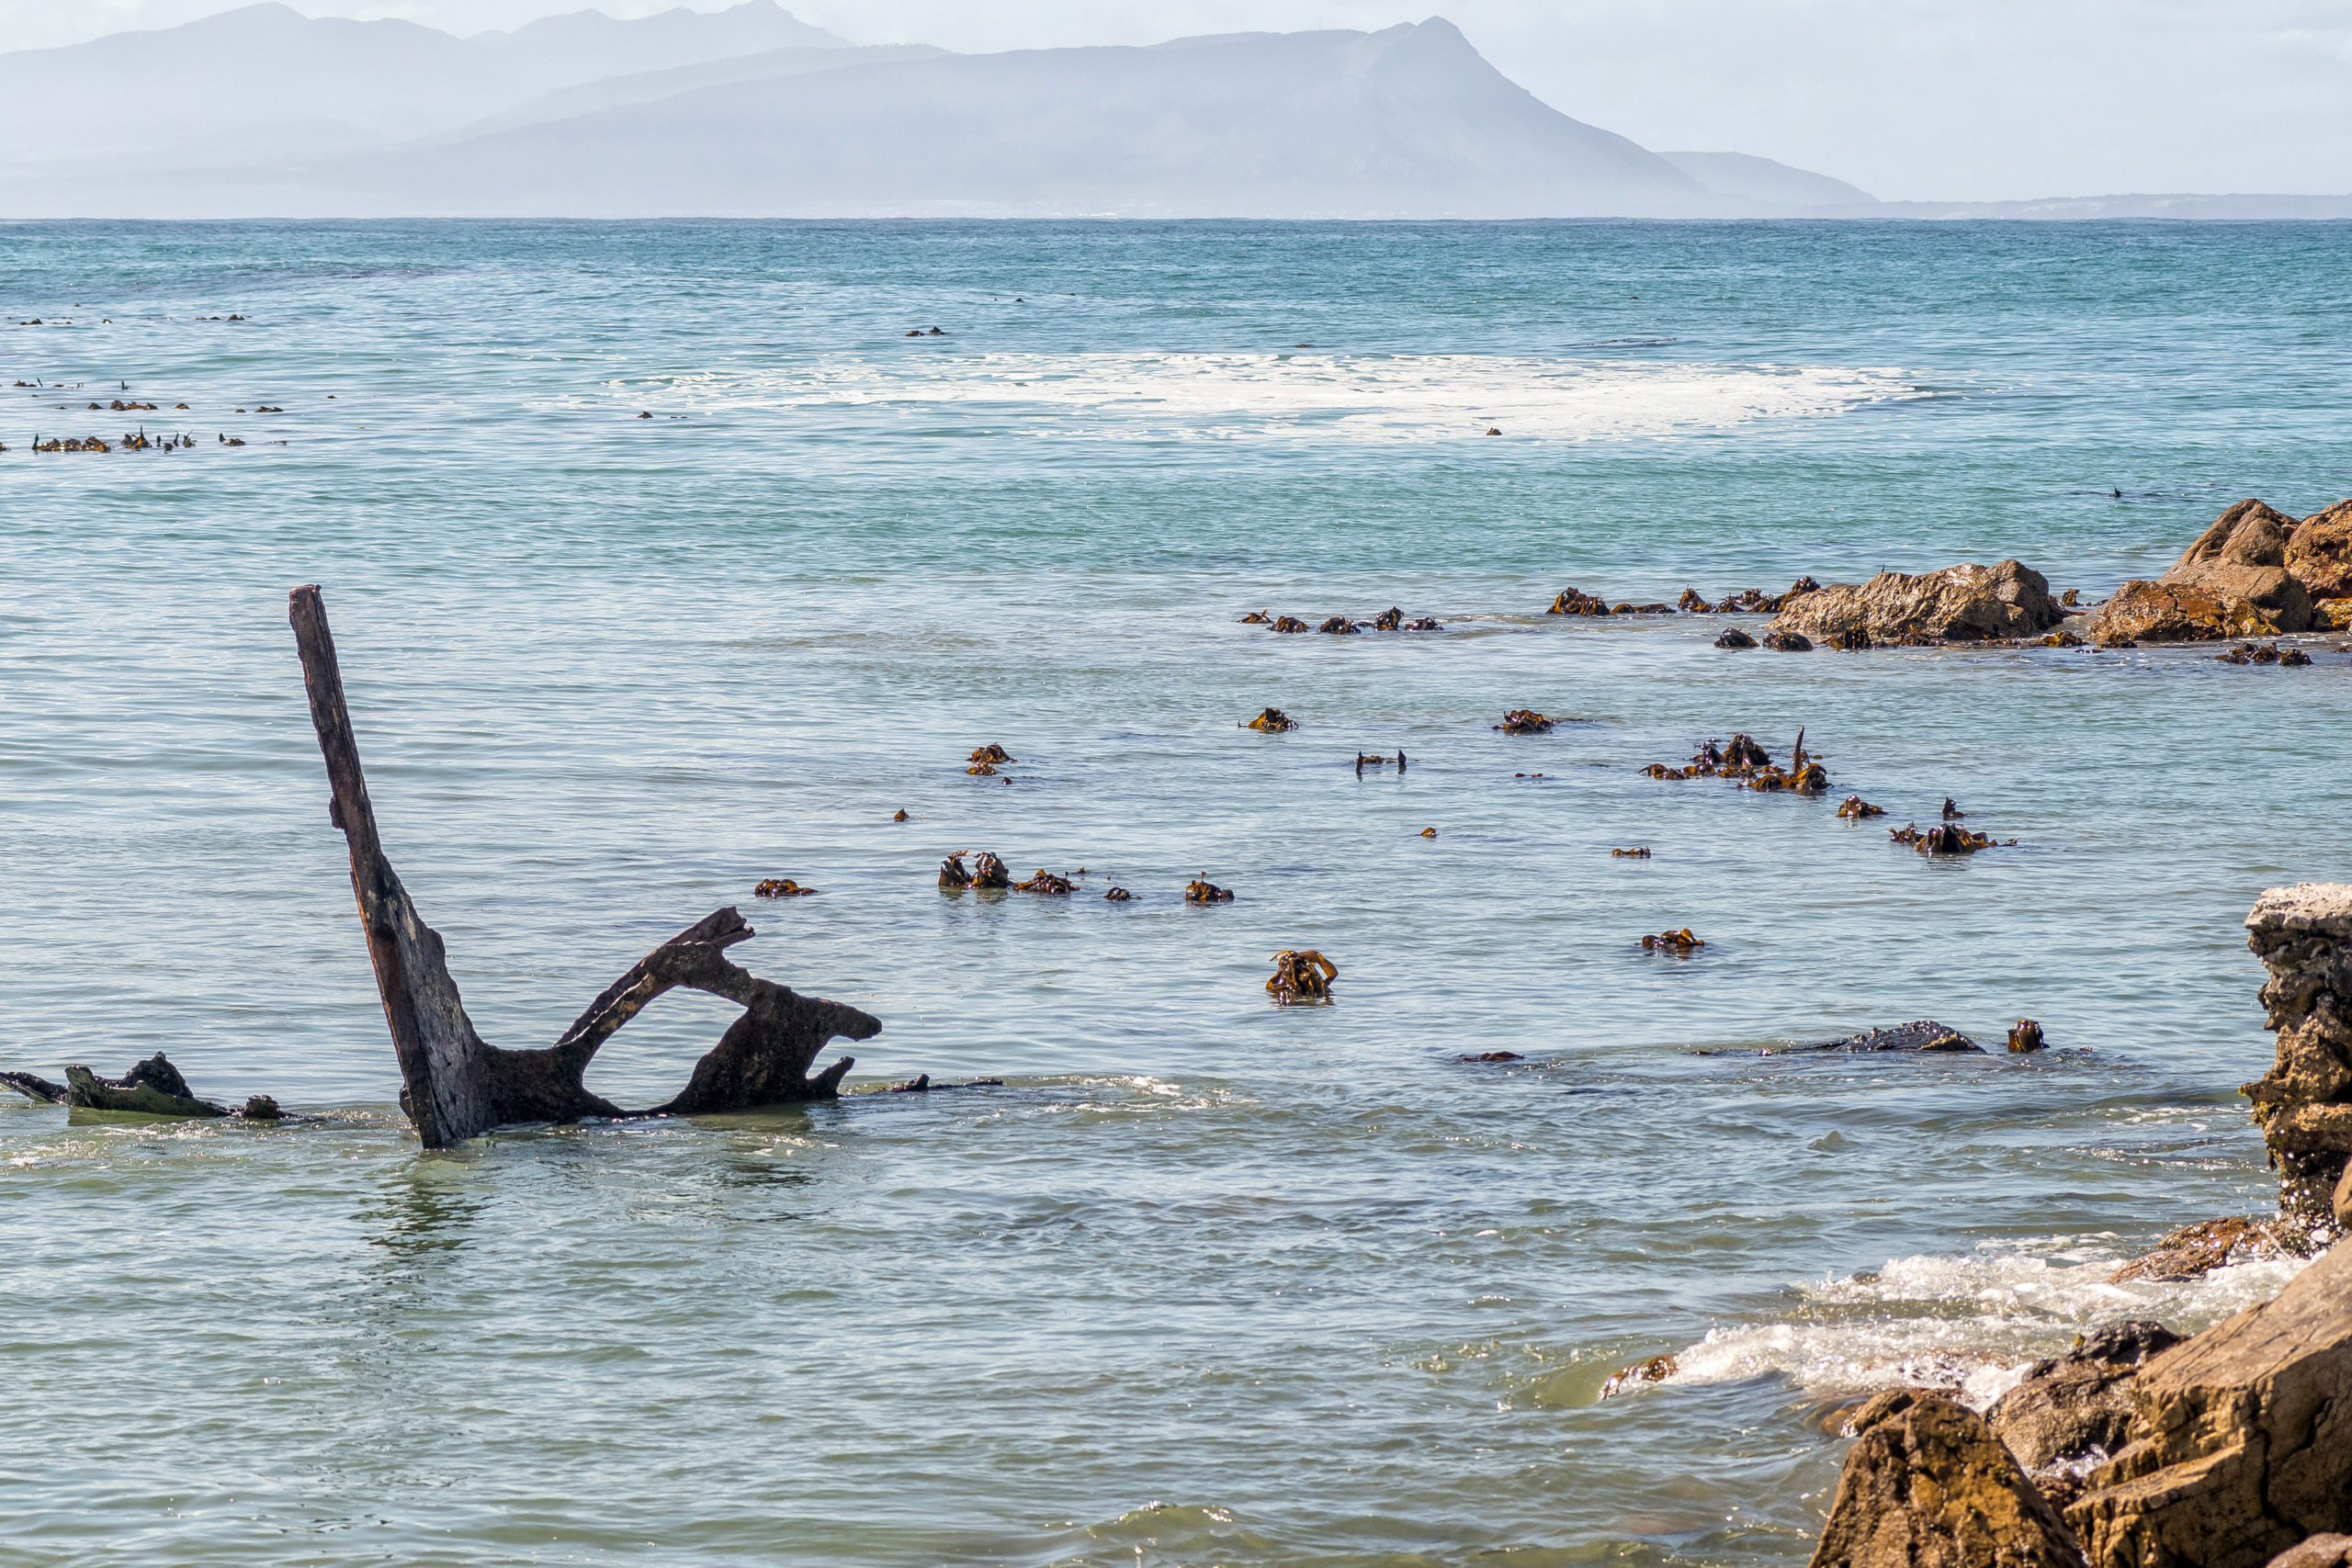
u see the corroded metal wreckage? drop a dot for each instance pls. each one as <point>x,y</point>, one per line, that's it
<point>456,1084</point>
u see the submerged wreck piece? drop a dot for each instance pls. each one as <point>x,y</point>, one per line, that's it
<point>1680,942</point>
<point>1922,1034</point>
<point>1272,721</point>
<point>1304,976</point>
<point>153,1087</point>
<point>456,1084</point>
<point>1524,721</point>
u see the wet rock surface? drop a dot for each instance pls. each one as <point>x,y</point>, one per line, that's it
<point>1928,1484</point>
<point>2072,1406</point>
<point>2330,1550</point>
<point>2320,553</point>
<point>2255,572</point>
<point>2303,1104</point>
<point>1959,604</point>
<point>2199,1249</point>
<point>2241,1439</point>
<point>1921,1034</point>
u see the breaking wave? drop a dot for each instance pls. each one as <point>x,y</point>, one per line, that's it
<point>1972,1324</point>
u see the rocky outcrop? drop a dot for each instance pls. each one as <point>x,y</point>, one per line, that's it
<point>2078,1404</point>
<point>2303,1104</point>
<point>1929,1486</point>
<point>2320,1552</point>
<point>2234,582</point>
<point>2241,1439</point>
<point>2319,555</point>
<point>1920,1035</point>
<point>1959,604</point>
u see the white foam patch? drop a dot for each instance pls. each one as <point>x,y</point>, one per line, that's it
<point>1972,1324</point>
<point>1353,398</point>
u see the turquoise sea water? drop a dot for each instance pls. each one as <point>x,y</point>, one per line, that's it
<point>1205,1281</point>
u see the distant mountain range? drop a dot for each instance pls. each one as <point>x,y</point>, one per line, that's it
<point>751,112</point>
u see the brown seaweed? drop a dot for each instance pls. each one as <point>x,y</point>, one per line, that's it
<point>1304,976</point>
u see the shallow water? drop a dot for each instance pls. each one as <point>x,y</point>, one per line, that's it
<point>1207,1281</point>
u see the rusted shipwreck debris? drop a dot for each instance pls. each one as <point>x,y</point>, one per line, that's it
<point>152,1088</point>
<point>455,1086</point>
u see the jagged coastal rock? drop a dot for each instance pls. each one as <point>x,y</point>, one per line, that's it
<point>2077,1407</point>
<point>1959,604</point>
<point>2255,572</point>
<point>2241,1439</point>
<point>1929,1486</point>
<point>2303,1104</point>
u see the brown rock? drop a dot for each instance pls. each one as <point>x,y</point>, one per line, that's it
<point>1959,604</point>
<point>2320,553</point>
<point>2242,1437</point>
<point>2170,610</point>
<point>2248,534</point>
<point>2303,1104</point>
<point>2342,1202</point>
<point>2078,1401</point>
<point>2319,1551</point>
<point>2332,614</point>
<point>2199,1249</point>
<point>2270,591</point>
<point>1929,1486</point>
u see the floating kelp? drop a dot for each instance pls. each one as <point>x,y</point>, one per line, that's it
<point>1952,813</point>
<point>1257,618</point>
<point>1746,761</point>
<point>1117,895</point>
<point>1577,602</point>
<point>781,887</point>
<point>1288,625</point>
<point>1854,809</point>
<point>1691,604</point>
<point>55,444</point>
<point>1201,890</point>
<point>1680,942</point>
<point>1044,881</point>
<point>1304,976</point>
<point>1493,1056</point>
<point>1339,625</point>
<point>987,872</point>
<point>2062,637</point>
<point>1393,619</point>
<point>1851,639</point>
<point>2071,597</point>
<point>992,752</point>
<point>2025,1035</point>
<point>1630,609</point>
<point>1271,721</point>
<point>1429,832</point>
<point>1637,854</point>
<point>900,815</point>
<point>1373,760</point>
<point>2263,653</point>
<point>1524,721</point>
<point>1788,642</point>
<point>1944,840</point>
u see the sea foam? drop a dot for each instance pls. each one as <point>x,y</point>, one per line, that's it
<point>1317,397</point>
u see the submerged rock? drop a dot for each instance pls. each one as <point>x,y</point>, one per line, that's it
<point>1922,1034</point>
<point>2241,1437</point>
<point>1734,638</point>
<point>1959,604</point>
<point>1928,1484</point>
<point>2199,1249</point>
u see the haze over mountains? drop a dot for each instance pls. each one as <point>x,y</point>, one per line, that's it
<point>750,112</point>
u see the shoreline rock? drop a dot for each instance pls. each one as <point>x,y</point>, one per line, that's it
<point>1929,1486</point>
<point>2303,1104</point>
<point>1959,604</point>
<point>2254,572</point>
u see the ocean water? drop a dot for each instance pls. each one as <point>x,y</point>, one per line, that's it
<point>1205,1281</point>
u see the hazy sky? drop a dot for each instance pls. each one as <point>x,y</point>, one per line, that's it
<point>1933,100</point>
